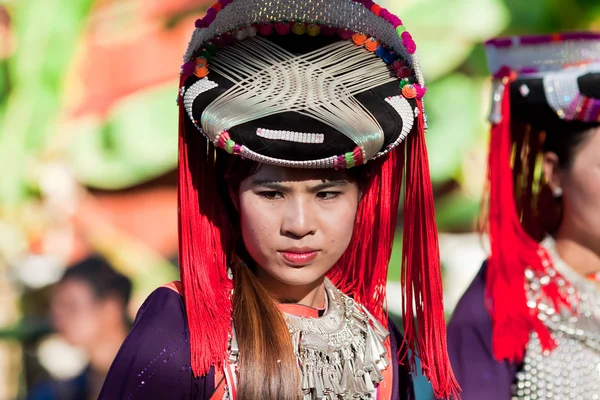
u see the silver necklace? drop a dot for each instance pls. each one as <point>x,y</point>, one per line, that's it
<point>341,355</point>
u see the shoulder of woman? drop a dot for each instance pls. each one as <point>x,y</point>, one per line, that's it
<point>154,360</point>
<point>471,308</point>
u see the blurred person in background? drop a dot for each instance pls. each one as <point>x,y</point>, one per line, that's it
<point>286,236</point>
<point>529,325</point>
<point>89,310</point>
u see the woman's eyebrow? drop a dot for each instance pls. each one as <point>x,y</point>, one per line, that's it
<point>269,184</point>
<point>328,185</point>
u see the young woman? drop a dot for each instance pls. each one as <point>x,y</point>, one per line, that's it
<point>540,285</point>
<point>285,229</point>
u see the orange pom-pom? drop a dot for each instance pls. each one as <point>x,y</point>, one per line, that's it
<point>372,44</point>
<point>376,9</point>
<point>217,6</point>
<point>201,61</point>
<point>409,92</point>
<point>201,71</point>
<point>359,38</point>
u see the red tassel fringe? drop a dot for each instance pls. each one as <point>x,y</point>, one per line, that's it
<point>203,232</point>
<point>423,313</point>
<point>362,270</point>
<point>512,251</point>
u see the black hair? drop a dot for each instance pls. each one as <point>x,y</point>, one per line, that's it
<point>566,139</point>
<point>104,280</point>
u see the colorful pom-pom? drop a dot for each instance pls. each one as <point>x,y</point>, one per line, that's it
<point>201,71</point>
<point>372,44</point>
<point>229,145</point>
<point>205,54</point>
<point>388,55</point>
<point>211,48</point>
<point>251,30</point>
<point>283,28</point>
<point>217,6</point>
<point>345,34</point>
<point>328,31</point>
<point>410,47</point>
<point>228,38</point>
<point>265,28</point>
<point>201,61</point>
<point>225,3</point>
<point>200,23</point>
<point>399,64</point>
<point>359,38</point>
<point>299,28</point>
<point>385,14</point>
<point>188,68</point>
<point>349,157</point>
<point>421,90</point>
<point>218,42</point>
<point>376,9</point>
<point>241,33</point>
<point>404,72</point>
<point>313,30</point>
<point>400,30</point>
<point>409,92</point>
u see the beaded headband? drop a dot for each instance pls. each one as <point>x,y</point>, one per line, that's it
<point>559,71</point>
<point>343,71</point>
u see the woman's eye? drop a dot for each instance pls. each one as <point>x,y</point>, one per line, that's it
<point>271,195</point>
<point>328,195</point>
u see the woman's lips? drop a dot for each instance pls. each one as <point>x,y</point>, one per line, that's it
<point>299,257</point>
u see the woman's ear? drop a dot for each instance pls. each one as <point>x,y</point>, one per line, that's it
<point>552,173</point>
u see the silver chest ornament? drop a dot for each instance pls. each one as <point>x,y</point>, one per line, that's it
<point>341,355</point>
<point>572,369</point>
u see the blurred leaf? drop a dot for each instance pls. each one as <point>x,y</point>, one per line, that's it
<point>446,30</point>
<point>46,33</point>
<point>455,108</point>
<point>137,143</point>
<point>456,212</point>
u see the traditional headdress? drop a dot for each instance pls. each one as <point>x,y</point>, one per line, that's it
<point>543,85</point>
<point>310,84</point>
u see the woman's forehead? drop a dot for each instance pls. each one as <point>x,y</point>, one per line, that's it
<point>272,173</point>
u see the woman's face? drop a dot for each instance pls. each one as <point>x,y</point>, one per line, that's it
<point>297,223</point>
<point>580,185</point>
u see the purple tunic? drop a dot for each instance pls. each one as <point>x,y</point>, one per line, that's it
<point>154,360</point>
<point>470,347</point>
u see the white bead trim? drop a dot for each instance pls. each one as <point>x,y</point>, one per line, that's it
<point>291,136</point>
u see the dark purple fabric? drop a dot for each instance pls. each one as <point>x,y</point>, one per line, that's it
<point>470,346</point>
<point>154,360</point>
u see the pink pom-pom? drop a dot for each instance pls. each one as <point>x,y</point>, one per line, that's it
<point>265,29</point>
<point>406,36</point>
<point>421,90</point>
<point>219,42</point>
<point>209,19</point>
<point>188,68</point>
<point>328,31</point>
<point>200,23</point>
<point>369,4</point>
<point>228,38</point>
<point>404,72</point>
<point>385,14</point>
<point>503,72</point>
<point>283,28</point>
<point>395,21</point>
<point>410,47</point>
<point>345,34</point>
<point>211,11</point>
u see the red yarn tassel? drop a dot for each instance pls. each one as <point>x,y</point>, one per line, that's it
<point>203,229</point>
<point>512,251</point>
<point>423,311</point>
<point>362,271</point>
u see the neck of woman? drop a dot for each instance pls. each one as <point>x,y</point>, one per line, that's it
<point>310,294</point>
<point>579,257</point>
